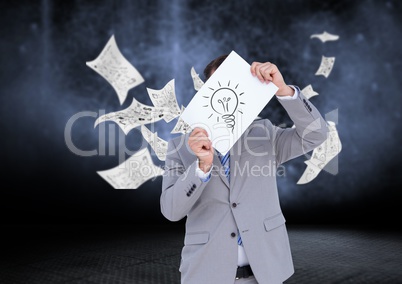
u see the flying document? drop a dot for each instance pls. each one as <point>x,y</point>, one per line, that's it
<point>135,115</point>
<point>325,36</point>
<point>197,82</point>
<point>133,172</point>
<point>116,69</point>
<point>157,144</point>
<point>322,155</point>
<point>327,63</point>
<point>181,126</point>
<point>228,102</point>
<point>308,92</point>
<point>166,97</point>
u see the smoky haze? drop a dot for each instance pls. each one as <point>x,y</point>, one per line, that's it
<point>45,82</point>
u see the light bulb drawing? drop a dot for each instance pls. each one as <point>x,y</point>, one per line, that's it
<point>224,101</point>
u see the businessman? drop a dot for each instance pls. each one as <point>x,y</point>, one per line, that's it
<point>235,231</point>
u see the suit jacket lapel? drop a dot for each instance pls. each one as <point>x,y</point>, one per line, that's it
<point>217,166</point>
<point>234,160</point>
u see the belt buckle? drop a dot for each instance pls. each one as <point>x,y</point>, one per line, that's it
<point>244,272</point>
<point>241,274</point>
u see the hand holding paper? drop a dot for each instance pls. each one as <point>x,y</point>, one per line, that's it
<point>268,72</point>
<point>202,147</point>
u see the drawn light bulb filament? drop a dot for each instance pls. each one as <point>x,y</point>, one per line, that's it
<point>224,106</point>
<point>224,101</point>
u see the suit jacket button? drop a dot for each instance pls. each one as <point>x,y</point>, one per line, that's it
<point>234,205</point>
<point>233,235</point>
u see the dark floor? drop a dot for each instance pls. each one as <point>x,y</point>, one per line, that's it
<point>133,254</point>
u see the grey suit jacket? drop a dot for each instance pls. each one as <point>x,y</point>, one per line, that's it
<point>216,209</point>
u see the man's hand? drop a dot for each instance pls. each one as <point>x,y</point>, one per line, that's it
<point>202,147</point>
<point>268,72</point>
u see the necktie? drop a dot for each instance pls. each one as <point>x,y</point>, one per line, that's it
<point>226,166</point>
<point>225,163</point>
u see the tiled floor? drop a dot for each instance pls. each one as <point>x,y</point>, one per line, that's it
<point>135,254</point>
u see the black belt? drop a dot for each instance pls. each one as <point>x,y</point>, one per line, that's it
<point>244,272</point>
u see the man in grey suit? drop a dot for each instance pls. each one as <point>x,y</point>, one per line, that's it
<point>235,229</point>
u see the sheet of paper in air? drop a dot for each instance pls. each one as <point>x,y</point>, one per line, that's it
<point>308,92</point>
<point>322,155</point>
<point>135,115</point>
<point>181,126</point>
<point>228,102</point>
<point>158,144</point>
<point>326,65</point>
<point>133,172</point>
<point>116,69</point>
<point>197,82</point>
<point>325,36</point>
<point>166,97</point>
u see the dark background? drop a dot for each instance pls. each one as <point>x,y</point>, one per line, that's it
<point>45,82</point>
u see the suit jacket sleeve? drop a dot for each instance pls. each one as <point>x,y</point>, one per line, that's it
<point>309,132</point>
<point>181,186</point>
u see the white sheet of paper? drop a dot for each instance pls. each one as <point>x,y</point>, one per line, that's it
<point>116,69</point>
<point>135,115</point>
<point>157,144</point>
<point>228,102</point>
<point>322,155</point>
<point>197,82</point>
<point>166,97</point>
<point>325,36</point>
<point>308,92</point>
<point>326,65</point>
<point>181,126</point>
<point>133,172</point>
